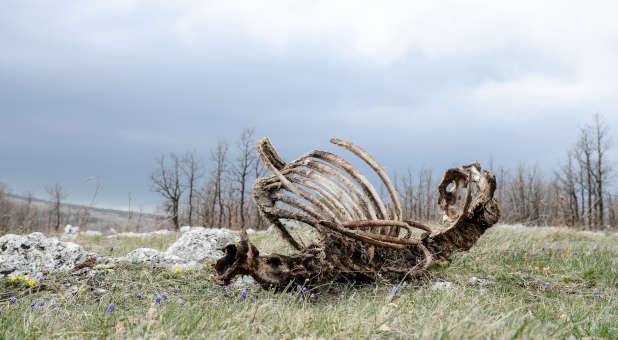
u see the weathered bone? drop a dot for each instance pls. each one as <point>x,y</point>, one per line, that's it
<point>359,235</point>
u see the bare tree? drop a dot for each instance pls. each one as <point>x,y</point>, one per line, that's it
<point>241,168</point>
<point>219,156</point>
<point>230,203</point>
<point>206,195</point>
<point>57,195</point>
<point>191,167</point>
<point>5,209</point>
<point>167,180</point>
<point>600,136</point>
<point>84,216</point>
<point>584,152</point>
<point>567,179</point>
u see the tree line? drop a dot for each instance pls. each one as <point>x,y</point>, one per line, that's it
<point>216,191</point>
<point>213,194</point>
<point>576,193</point>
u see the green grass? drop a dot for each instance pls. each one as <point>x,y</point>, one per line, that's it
<point>522,308</point>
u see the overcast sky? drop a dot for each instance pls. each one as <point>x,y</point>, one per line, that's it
<point>99,88</point>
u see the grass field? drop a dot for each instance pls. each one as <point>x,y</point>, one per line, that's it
<point>511,301</point>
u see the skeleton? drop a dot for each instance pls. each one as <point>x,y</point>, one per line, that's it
<point>360,237</point>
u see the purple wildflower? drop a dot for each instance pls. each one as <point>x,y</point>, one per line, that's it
<point>244,294</point>
<point>31,270</point>
<point>111,248</point>
<point>224,291</point>
<point>158,299</point>
<point>0,311</point>
<point>32,305</point>
<point>164,295</point>
<point>547,285</point>
<point>304,289</point>
<point>12,300</point>
<point>110,308</point>
<point>514,256</point>
<point>543,248</point>
<point>176,290</point>
<point>229,286</point>
<point>499,286</point>
<point>298,288</point>
<point>52,304</point>
<point>574,252</point>
<point>42,303</point>
<point>596,291</point>
<point>139,296</point>
<point>395,290</point>
<point>558,248</point>
<point>180,303</point>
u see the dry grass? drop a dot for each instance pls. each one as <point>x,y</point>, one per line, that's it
<point>521,308</point>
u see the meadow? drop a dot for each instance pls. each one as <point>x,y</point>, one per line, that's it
<point>516,283</point>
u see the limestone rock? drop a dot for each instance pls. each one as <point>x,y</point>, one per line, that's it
<point>91,233</point>
<point>244,282</point>
<point>19,253</point>
<point>147,234</point>
<point>158,258</point>
<point>442,285</point>
<point>70,232</point>
<point>201,244</point>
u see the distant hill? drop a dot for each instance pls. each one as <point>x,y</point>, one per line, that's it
<point>94,218</point>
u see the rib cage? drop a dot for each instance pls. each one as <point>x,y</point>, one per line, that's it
<point>360,236</point>
<point>336,197</point>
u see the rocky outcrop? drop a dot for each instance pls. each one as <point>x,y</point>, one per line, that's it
<point>45,255</point>
<point>147,234</point>
<point>19,253</point>
<point>70,232</point>
<point>201,244</point>
<point>159,258</point>
<point>194,246</point>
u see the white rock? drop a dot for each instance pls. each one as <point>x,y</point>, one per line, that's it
<point>158,258</point>
<point>292,224</point>
<point>289,224</point>
<point>184,229</point>
<point>92,233</point>
<point>442,285</point>
<point>148,234</point>
<point>45,254</point>
<point>244,282</point>
<point>200,244</point>
<point>69,229</point>
<point>70,232</point>
<point>480,282</point>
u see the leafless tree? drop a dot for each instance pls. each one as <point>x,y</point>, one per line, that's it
<point>167,180</point>
<point>5,209</point>
<point>230,203</point>
<point>57,195</point>
<point>219,157</point>
<point>192,170</point>
<point>245,159</point>
<point>84,215</point>
<point>567,178</point>
<point>601,171</point>
<point>206,195</point>
<point>584,153</point>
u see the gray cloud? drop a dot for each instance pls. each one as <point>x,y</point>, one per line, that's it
<point>100,90</point>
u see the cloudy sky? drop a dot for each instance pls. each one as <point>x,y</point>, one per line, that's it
<point>99,88</point>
